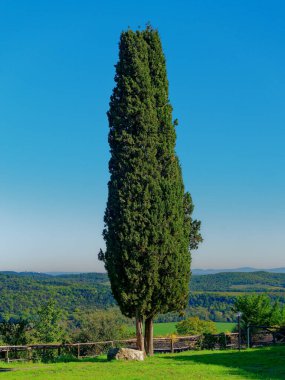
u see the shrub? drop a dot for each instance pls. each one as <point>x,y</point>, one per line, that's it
<point>210,341</point>
<point>14,333</point>
<point>101,325</point>
<point>195,326</point>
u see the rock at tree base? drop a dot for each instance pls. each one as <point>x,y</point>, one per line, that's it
<point>125,354</point>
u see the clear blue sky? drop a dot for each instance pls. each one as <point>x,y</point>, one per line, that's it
<point>226,67</point>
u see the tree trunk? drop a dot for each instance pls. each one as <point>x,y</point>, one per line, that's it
<point>139,333</point>
<point>148,334</point>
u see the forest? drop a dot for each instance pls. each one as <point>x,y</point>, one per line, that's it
<point>22,294</point>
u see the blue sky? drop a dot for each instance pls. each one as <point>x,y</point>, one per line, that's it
<point>225,63</point>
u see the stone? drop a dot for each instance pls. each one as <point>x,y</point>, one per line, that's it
<point>125,354</point>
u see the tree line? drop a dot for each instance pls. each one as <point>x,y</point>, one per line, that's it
<point>22,294</point>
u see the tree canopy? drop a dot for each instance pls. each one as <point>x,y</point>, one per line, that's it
<point>148,215</point>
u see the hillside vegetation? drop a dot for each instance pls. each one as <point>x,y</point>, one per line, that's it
<point>212,296</point>
<point>236,282</point>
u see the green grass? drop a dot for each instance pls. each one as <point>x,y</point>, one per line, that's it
<point>163,329</point>
<point>263,363</point>
<point>225,326</point>
<point>167,328</point>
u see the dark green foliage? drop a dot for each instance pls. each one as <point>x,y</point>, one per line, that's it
<point>210,342</point>
<point>100,325</point>
<point>239,282</point>
<point>134,200</point>
<point>21,296</point>
<point>171,291</point>
<point>213,306</point>
<point>195,237</point>
<point>148,218</point>
<point>15,333</point>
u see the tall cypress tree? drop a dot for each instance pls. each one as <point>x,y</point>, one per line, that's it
<point>171,294</point>
<point>134,192</point>
<point>148,216</point>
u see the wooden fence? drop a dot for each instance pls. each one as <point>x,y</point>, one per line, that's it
<point>264,335</point>
<point>93,349</point>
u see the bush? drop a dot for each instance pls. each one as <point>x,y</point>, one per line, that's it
<point>195,326</point>
<point>14,333</point>
<point>210,342</point>
<point>101,325</point>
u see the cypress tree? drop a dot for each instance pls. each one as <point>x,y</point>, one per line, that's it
<point>171,294</point>
<point>148,216</point>
<point>133,200</point>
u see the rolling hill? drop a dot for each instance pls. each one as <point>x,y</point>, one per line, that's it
<point>212,296</point>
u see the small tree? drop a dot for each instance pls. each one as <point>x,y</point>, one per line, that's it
<point>48,327</point>
<point>257,310</point>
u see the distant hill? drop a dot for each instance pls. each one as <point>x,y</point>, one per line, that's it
<point>21,294</point>
<point>239,282</point>
<point>219,282</point>
<point>200,272</point>
<point>211,295</point>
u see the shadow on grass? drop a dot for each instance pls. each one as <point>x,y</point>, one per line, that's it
<point>264,363</point>
<point>6,369</point>
<point>97,359</point>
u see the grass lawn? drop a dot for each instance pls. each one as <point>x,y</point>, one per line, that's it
<point>263,363</point>
<point>163,329</point>
<point>225,326</point>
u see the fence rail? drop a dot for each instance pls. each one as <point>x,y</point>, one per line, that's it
<point>264,335</point>
<point>92,349</point>
<point>254,336</point>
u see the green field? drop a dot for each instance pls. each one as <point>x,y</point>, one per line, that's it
<point>167,328</point>
<point>225,326</point>
<point>263,363</point>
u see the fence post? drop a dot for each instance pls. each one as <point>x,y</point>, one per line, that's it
<point>248,336</point>
<point>78,351</point>
<point>30,354</point>
<point>7,356</point>
<point>239,331</point>
<point>274,337</point>
<point>172,345</point>
<point>225,335</point>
